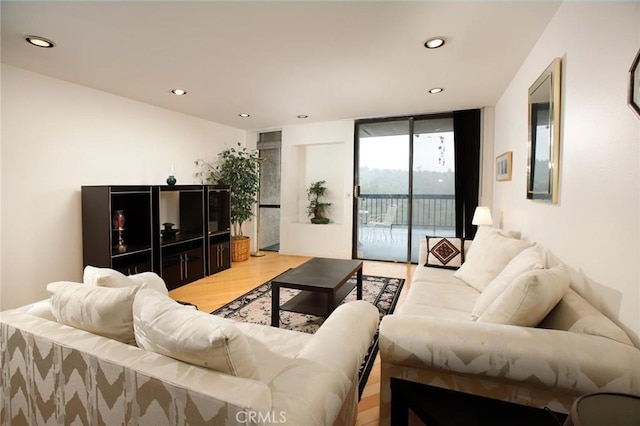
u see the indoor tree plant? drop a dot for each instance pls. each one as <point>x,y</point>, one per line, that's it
<point>316,207</point>
<point>238,168</point>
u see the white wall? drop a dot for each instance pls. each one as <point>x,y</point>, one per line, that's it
<point>595,226</point>
<point>312,152</point>
<point>58,136</point>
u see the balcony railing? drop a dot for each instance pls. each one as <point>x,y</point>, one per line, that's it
<point>433,211</point>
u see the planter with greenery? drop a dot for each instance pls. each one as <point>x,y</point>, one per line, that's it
<point>240,169</point>
<point>316,207</point>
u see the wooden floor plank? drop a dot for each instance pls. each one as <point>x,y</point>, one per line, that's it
<point>212,292</point>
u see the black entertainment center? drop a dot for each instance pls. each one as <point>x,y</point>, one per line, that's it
<point>123,228</point>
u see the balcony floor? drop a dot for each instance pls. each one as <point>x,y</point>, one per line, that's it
<point>381,244</point>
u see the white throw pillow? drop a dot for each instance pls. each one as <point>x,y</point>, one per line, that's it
<point>151,280</point>
<point>164,326</point>
<point>527,260</point>
<point>42,309</point>
<point>100,310</point>
<point>482,229</point>
<point>529,298</point>
<point>106,277</point>
<point>490,252</point>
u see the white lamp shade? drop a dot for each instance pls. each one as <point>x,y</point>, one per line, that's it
<point>482,216</point>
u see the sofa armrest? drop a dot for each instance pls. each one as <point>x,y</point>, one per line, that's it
<point>314,387</point>
<point>554,358</point>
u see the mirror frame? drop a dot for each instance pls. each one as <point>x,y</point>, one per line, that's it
<point>552,77</point>
<point>634,85</point>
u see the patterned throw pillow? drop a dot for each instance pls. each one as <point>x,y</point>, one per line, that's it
<point>445,252</point>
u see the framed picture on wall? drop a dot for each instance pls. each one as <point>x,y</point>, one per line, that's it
<point>503,166</point>
<point>634,85</point>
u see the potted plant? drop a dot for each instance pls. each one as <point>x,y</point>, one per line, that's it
<point>316,207</point>
<point>238,168</point>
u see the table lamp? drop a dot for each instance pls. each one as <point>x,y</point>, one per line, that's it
<point>482,216</point>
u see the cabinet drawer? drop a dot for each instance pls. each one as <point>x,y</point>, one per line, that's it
<point>182,264</point>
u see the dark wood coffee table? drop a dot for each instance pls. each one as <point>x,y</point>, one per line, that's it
<point>324,284</point>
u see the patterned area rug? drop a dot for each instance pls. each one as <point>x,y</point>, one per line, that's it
<point>255,307</point>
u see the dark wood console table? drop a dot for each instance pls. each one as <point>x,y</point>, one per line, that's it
<point>433,406</point>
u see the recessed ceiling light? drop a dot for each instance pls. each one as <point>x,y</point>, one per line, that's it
<point>244,115</point>
<point>179,92</point>
<point>436,90</point>
<point>434,43</point>
<point>39,41</point>
<point>302,116</point>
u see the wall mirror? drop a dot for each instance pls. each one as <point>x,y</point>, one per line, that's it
<point>544,135</point>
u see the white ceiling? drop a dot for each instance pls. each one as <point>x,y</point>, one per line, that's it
<point>275,60</point>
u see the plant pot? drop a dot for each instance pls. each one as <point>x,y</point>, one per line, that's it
<point>320,220</point>
<point>240,247</point>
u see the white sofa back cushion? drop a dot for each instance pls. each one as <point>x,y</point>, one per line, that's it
<point>573,313</point>
<point>99,310</point>
<point>529,298</point>
<point>527,260</point>
<point>490,252</point>
<point>164,326</point>
<point>105,277</point>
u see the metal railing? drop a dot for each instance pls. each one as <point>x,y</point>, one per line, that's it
<point>436,211</point>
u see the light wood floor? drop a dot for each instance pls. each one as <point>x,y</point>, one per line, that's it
<point>213,292</point>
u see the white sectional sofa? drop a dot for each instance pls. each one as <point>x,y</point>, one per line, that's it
<point>218,372</point>
<point>510,329</point>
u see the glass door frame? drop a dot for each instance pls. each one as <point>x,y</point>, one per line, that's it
<point>356,175</point>
<point>268,141</point>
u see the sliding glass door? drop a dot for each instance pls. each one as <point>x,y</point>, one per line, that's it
<point>383,158</point>
<point>406,177</point>
<point>433,181</point>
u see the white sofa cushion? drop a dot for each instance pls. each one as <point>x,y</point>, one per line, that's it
<point>437,275</point>
<point>438,288</point>
<point>164,326</point>
<point>99,310</point>
<point>450,296</point>
<point>527,260</point>
<point>529,298</point>
<point>490,252</point>
<point>573,313</point>
<point>106,277</point>
<point>445,252</point>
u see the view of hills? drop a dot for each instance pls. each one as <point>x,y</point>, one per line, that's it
<point>385,181</point>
